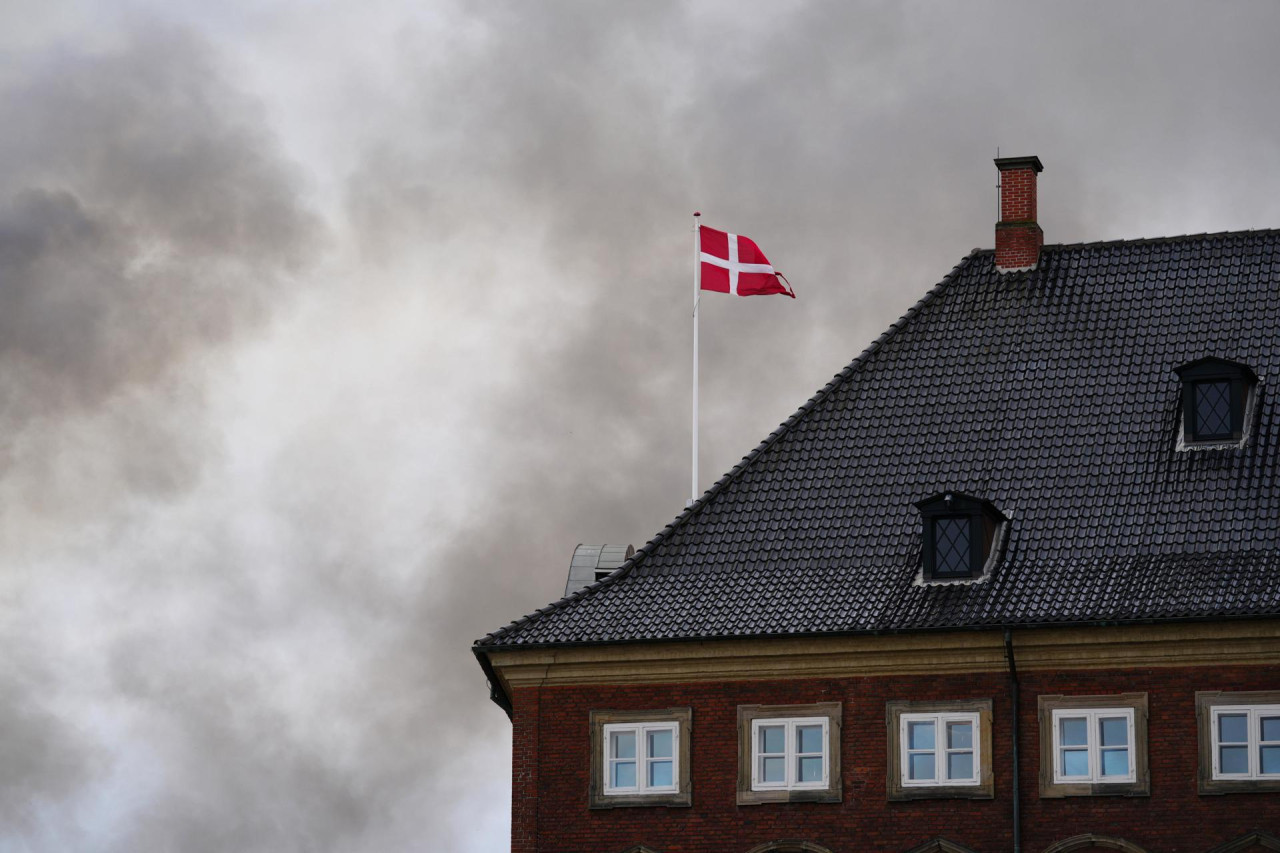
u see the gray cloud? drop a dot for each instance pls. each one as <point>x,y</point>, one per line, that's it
<point>144,215</point>
<point>146,222</point>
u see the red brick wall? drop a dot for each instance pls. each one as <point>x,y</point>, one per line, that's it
<point>1018,195</point>
<point>1018,246</point>
<point>1175,818</point>
<point>526,740</point>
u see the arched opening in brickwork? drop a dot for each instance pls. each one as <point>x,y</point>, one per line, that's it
<point>940,845</point>
<point>1090,843</point>
<point>789,846</point>
<point>1251,842</point>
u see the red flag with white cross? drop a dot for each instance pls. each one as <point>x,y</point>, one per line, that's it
<point>734,264</point>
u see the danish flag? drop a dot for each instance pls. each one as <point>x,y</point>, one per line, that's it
<point>734,264</point>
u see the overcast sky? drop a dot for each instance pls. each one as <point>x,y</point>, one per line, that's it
<point>327,331</point>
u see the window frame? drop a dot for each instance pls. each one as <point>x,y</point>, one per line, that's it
<point>751,718</point>
<point>601,794</point>
<point>975,545</point>
<point>1209,706</point>
<point>790,754</point>
<point>641,759</point>
<point>940,751</point>
<point>1131,705</point>
<point>898,713</point>
<point>1242,381</point>
<point>1253,741</point>
<point>1093,748</point>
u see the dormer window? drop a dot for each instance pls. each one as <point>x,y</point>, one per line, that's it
<point>1215,394</point>
<point>960,533</point>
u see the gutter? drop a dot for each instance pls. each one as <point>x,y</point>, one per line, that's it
<point>1017,776</point>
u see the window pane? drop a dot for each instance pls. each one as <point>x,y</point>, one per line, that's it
<point>809,739</point>
<point>660,774</point>
<point>1115,731</point>
<point>920,736</point>
<point>624,745</point>
<point>1233,728</point>
<point>1233,759</point>
<point>1271,759</point>
<point>1074,731</point>
<point>960,765</point>
<point>773,769</point>
<point>772,739</point>
<point>624,774</point>
<point>1075,762</point>
<point>1115,762</point>
<point>810,770</point>
<point>951,541</point>
<point>921,766</point>
<point>660,744</point>
<point>1271,728</point>
<point>1213,408</point>
<point>960,735</point>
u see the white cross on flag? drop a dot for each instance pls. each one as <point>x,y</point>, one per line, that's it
<point>734,264</point>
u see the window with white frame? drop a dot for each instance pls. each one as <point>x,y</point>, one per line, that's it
<point>789,754</point>
<point>1093,745</point>
<point>641,758</point>
<point>939,749</point>
<point>1246,741</point>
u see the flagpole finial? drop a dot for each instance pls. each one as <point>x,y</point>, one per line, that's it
<point>697,213</point>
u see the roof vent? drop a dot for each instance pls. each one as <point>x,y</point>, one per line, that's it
<point>591,563</point>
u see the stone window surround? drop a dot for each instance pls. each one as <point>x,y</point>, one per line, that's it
<point>681,797</point>
<point>984,790</point>
<point>748,714</point>
<point>1206,701</point>
<point>1139,787</point>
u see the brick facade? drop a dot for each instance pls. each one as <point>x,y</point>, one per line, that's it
<point>552,761</point>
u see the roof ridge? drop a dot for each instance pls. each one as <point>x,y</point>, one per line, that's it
<point>716,488</point>
<point>1140,241</point>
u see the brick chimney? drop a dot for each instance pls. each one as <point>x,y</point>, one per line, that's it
<point>1018,236</point>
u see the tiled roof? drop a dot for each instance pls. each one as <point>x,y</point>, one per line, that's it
<point>1051,394</point>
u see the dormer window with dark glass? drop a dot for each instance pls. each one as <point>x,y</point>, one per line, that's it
<point>1215,394</point>
<point>959,534</point>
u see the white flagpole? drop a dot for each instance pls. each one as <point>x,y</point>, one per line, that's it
<point>697,291</point>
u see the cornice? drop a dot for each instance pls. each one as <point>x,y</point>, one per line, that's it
<point>1076,648</point>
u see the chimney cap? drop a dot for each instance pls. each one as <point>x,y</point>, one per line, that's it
<point>1004,163</point>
